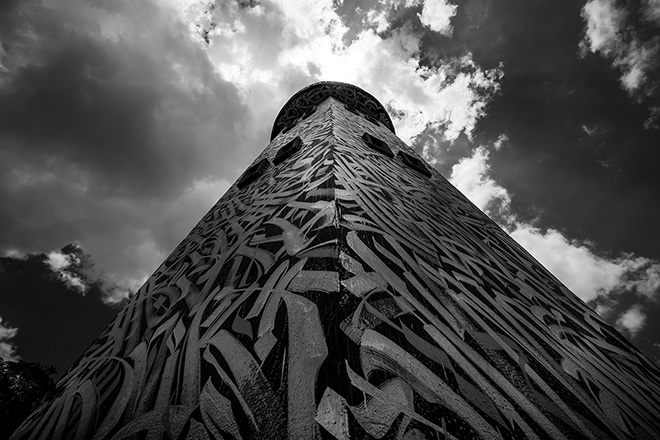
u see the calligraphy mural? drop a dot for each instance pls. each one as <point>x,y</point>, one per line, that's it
<point>343,290</point>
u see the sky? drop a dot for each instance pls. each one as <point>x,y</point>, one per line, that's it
<point>123,122</point>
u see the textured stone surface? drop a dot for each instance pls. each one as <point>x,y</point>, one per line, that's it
<point>343,294</point>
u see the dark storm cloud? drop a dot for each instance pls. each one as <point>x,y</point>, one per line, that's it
<point>7,13</point>
<point>73,106</point>
<point>110,114</point>
<point>114,108</point>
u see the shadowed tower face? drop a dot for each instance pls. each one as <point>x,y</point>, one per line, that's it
<point>343,289</point>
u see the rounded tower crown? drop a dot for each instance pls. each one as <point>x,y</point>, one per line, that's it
<point>309,97</point>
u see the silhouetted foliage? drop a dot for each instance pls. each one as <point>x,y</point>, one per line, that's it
<point>22,386</point>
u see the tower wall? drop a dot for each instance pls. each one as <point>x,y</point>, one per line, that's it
<point>348,291</point>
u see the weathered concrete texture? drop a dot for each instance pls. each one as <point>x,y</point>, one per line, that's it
<point>351,293</point>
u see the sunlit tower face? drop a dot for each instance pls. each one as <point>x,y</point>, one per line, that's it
<point>343,289</point>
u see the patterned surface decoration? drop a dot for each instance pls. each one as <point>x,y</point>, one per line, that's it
<point>305,101</point>
<point>343,294</point>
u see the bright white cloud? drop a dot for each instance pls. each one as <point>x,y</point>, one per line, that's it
<point>7,347</point>
<point>604,22</point>
<point>575,264</point>
<point>59,263</point>
<point>471,176</point>
<point>397,4</point>
<point>436,14</point>
<point>632,320</point>
<point>310,46</point>
<point>451,97</point>
<point>378,19</point>
<point>607,33</point>
<point>268,52</point>
<point>635,64</point>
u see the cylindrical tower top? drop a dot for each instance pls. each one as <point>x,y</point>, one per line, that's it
<point>307,98</point>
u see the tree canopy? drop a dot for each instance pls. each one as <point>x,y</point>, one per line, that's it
<point>22,387</point>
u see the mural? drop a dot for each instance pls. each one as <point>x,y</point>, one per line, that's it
<point>346,293</point>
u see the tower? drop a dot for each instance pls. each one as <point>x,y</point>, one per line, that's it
<point>342,289</point>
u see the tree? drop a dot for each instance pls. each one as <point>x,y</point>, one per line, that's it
<point>22,386</point>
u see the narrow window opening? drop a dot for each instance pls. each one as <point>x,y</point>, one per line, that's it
<point>252,173</point>
<point>287,150</point>
<point>377,144</point>
<point>415,163</point>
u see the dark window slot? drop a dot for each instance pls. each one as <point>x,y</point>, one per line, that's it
<point>415,163</point>
<point>377,144</point>
<point>252,173</point>
<point>287,150</point>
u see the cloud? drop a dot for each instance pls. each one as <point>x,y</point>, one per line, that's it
<point>59,262</point>
<point>78,272</point>
<point>450,96</point>
<point>653,121</point>
<point>378,19</point>
<point>604,22</point>
<point>7,348</point>
<point>646,282</point>
<point>611,32</point>
<point>576,264</point>
<point>436,14</point>
<point>470,176</point>
<point>651,11</point>
<point>604,310</point>
<point>631,321</point>
<point>502,139</point>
